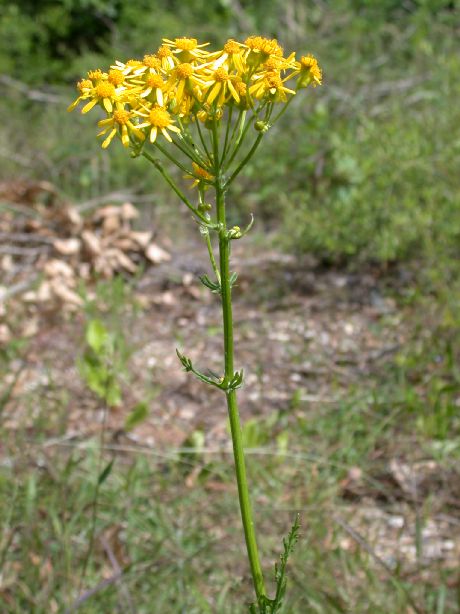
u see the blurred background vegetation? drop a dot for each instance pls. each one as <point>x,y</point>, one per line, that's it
<point>368,164</point>
<point>363,174</point>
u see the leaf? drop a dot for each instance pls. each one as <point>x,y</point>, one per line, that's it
<point>94,373</point>
<point>96,335</point>
<point>280,570</point>
<point>213,286</point>
<point>113,392</point>
<point>138,415</point>
<point>105,472</point>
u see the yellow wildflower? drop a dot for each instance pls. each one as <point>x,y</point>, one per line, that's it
<point>309,71</point>
<point>272,85</point>
<point>164,54</point>
<point>220,85</point>
<point>157,119</point>
<point>95,75</point>
<point>186,49</point>
<point>103,92</point>
<point>184,81</point>
<point>260,49</point>
<point>152,61</point>
<point>154,83</point>
<point>130,67</point>
<point>279,63</point>
<point>232,55</point>
<point>120,121</point>
<point>115,77</point>
<point>199,176</point>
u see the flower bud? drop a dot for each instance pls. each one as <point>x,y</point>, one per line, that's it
<point>234,233</point>
<point>261,126</point>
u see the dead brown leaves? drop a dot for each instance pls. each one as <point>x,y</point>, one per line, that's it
<point>47,246</point>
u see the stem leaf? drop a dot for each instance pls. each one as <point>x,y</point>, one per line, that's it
<point>105,472</point>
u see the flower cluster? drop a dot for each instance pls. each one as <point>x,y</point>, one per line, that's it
<point>184,82</point>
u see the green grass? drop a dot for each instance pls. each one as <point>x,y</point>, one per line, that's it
<point>169,519</point>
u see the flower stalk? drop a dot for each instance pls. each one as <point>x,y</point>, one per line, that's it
<point>232,405</point>
<point>188,96</point>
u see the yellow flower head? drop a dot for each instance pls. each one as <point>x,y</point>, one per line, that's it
<point>271,85</point>
<point>186,49</point>
<point>261,49</point>
<point>95,75</point>
<point>152,61</point>
<point>133,67</point>
<point>154,83</point>
<point>231,47</point>
<point>120,122</point>
<point>167,90</point>
<point>309,71</point>
<point>232,55</point>
<point>156,119</point>
<point>199,176</point>
<point>116,77</point>
<point>103,92</point>
<point>220,87</point>
<point>84,85</point>
<point>184,82</point>
<point>186,44</point>
<point>165,55</point>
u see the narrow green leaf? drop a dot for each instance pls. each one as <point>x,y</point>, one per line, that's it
<point>113,393</point>
<point>96,335</point>
<point>105,472</point>
<point>138,415</point>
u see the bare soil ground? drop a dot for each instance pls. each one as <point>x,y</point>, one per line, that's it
<point>299,330</point>
<point>304,336</point>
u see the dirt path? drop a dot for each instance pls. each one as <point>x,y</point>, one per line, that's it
<point>300,332</point>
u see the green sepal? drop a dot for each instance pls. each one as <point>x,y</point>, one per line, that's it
<point>212,285</point>
<point>217,226</point>
<point>188,366</point>
<point>236,381</point>
<point>237,233</point>
<point>232,279</point>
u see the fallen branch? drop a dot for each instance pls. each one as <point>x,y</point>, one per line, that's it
<point>22,286</point>
<point>118,197</point>
<point>15,250</point>
<point>31,94</point>
<point>25,237</point>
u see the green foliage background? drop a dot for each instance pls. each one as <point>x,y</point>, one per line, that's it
<point>366,166</point>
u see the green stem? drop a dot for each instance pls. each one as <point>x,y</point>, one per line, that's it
<point>252,151</point>
<point>202,139</point>
<point>227,134</point>
<point>235,425</point>
<point>157,164</point>
<point>239,131</point>
<point>171,158</point>
<point>207,238</point>
<point>189,149</point>
<point>246,159</point>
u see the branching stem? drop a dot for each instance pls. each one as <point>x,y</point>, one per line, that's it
<point>157,164</point>
<point>235,424</point>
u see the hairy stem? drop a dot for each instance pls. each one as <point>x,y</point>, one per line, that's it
<point>235,425</point>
